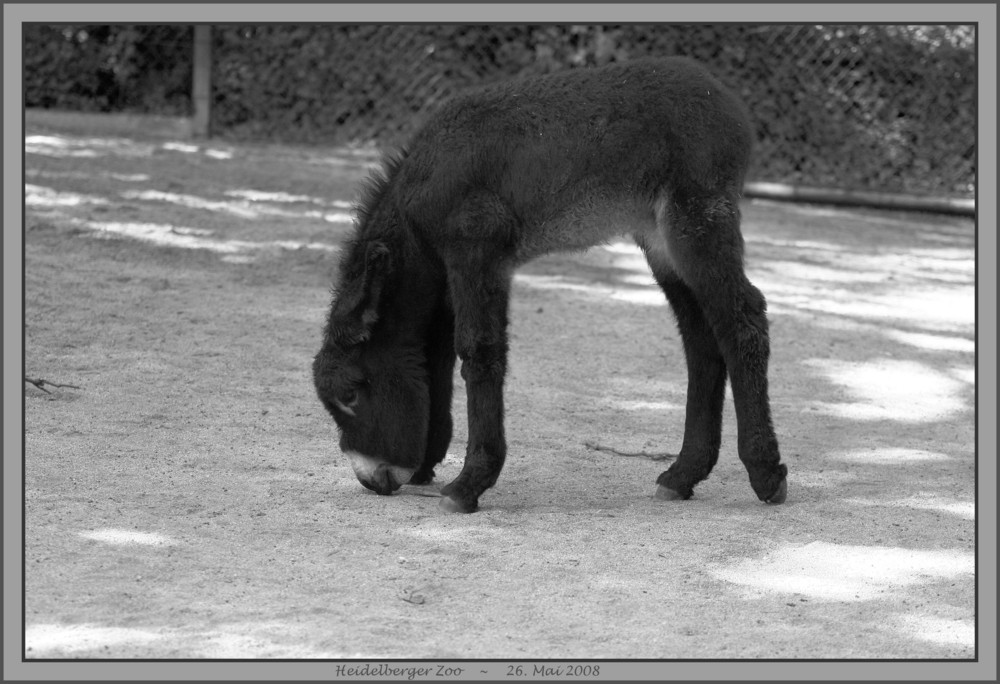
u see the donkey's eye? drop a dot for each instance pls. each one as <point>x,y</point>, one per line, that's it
<point>350,398</point>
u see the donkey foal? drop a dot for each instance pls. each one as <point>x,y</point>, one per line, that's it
<point>656,149</point>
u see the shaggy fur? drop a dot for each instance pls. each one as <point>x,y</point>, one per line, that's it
<point>656,149</point>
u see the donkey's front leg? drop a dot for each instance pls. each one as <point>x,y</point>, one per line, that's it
<point>440,353</point>
<point>480,295</point>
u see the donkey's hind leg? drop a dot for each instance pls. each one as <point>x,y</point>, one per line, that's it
<point>705,250</point>
<point>706,389</point>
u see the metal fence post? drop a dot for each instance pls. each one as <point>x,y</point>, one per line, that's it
<point>202,81</point>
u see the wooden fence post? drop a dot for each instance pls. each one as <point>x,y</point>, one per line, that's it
<point>202,81</point>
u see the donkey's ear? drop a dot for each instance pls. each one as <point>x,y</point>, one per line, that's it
<point>356,309</point>
<point>376,258</point>
<point>377,264</point>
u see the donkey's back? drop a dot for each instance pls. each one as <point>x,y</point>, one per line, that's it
<point>576,155</point>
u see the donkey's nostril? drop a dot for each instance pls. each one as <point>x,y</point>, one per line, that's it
<point>381,481</point>
<point>380,484</point>
<point>377,476</point>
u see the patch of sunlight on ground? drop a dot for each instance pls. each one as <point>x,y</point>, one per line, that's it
<point>332,216</point>
<point>192,202</point>
<point>48,150</point>
<point>128,177</point>
<point>246,208</point>
<point>188,148</point>
<point>836,572</point>
<point>953,264</point>
<point>951,307</point>
<point>63,146</point>
<point>903,276</point>
<point>939,630</point>
<point>43,197</point>
<point>889,456</point>
<point>127,537</point>
<point>962,509</point>
<point>162,235</point>
<point>932,342</point>
<point>190,238</point>
<point>814,272</point>
<point>649,297</point>
<point>966,375</point>
<point>928,341</point>
<point>39,196</point>
<point>887,389</point>
<point>263,196</point>
<point>931,308</point>
<point>279,197</point>
<point>796,287</point>
<point>80,175</point>
<point>956,257</point>
<point>50,140</point>
<point>809,245</point>
<point>937,237</point>
<point>230,641</point>
<point>640,280</point>
<point>81,637</point>
<point>180,147</point>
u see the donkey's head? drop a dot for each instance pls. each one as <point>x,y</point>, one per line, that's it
<point>370,379</point>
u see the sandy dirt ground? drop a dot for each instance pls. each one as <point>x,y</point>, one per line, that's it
<point>187,499</point>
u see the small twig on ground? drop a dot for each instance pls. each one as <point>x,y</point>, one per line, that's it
<point>419,490</point>
<point>410,595</point>
<point>630,454</point>
<point>41,382</point>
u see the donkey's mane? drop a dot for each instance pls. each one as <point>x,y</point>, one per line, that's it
<point>376,185</point>
<point>373,191</point>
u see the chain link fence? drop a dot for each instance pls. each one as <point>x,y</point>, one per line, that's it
<point>878,108</point>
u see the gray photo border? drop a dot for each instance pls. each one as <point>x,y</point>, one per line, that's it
<point>984,14</point>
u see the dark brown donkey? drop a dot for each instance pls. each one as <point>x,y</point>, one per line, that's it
<point>656,149</point>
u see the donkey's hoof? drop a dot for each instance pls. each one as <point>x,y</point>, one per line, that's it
<point>667,494</point>
<point>449,505</point>
<point>779,496</point>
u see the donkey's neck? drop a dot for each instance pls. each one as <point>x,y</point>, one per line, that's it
<point>415,286</point>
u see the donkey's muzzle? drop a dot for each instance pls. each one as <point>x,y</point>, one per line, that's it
<point>378,476</point>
